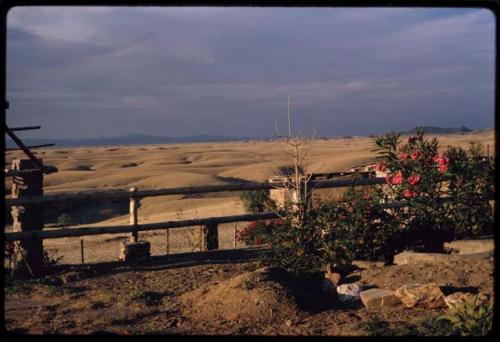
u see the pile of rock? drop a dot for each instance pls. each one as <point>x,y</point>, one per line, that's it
<point>427,296</point>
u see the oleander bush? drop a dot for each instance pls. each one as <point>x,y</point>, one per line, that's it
<point>258,232</point>
<point>421,176</point>
<point>361,225</point>
<point>471,186</point>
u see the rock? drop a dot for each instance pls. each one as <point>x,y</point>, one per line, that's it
<point>333,276</point>
<point>416,295</point>
<point>289,322</point>
<point>471,246</point>
<point>374,298</point>
<point>134,251</point>
<point>409,257</point>
<point>459,298</point>
<point>368,264</point>
<point>348,292</point>
<point>331,281</point>
<point>327,286</point>
<point>70,277</point>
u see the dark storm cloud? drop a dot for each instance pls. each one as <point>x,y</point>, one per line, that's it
<point>83,72</point>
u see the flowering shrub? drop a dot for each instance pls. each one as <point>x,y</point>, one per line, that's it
<point>416,171</point>
<point>257,233</point>
<point>335,232</point>
<point>358,227</point>
<point>471,185</point>
<point>302,250</point>
<point>420,175</point>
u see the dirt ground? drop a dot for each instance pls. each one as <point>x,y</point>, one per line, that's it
<point>204,297</point>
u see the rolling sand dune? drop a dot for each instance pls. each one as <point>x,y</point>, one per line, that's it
<point>197,164</point>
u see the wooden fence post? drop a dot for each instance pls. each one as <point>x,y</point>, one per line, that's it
<point>235,234</point>
<point>133,214</point>
<point>168,241</point>
<point>28,217</point>
<point>211,236</point>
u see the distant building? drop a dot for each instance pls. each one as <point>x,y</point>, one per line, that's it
<point>283,194</point>
<point>369,168</point>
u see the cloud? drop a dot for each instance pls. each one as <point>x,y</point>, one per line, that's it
<point>229,71</point>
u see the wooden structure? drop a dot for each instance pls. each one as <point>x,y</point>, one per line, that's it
<point>282,193</point>
<point>27,182</point>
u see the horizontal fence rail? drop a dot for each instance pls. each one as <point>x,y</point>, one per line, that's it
<point>121,194</point>
<point>83,231</point>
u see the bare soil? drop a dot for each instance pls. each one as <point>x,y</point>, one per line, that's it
<point>220,295</point>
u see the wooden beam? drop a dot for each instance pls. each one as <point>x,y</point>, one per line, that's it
<point>10,172</point>
<point>25,128</point>
<point>31,147</point>
<point>84,231</point>
<point>120,194</point>
<point>23,147</point>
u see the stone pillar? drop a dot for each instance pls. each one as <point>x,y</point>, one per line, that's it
<point>28,217</point>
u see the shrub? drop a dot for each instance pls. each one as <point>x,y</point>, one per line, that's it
<point>300,248</point>
<point>419,175</point>
<point>360,226</point>
<point>415,174</point>
<point>470,318</point>
<point>255,201</point>
<point>470,187</point>
<point>64,220</point>
<point>258,232</point>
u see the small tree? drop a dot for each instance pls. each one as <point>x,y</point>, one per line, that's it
<point>255,201</point>
<point>64,220</point>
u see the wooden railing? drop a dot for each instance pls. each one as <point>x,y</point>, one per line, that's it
<point>136,195</point>
<point>209,224</point>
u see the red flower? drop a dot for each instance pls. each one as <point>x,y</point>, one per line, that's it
<point>398,178</point>
<point>380,166</point>
<point>416,154</point>
<point>388,179</point>
<point>409,194</point>
<point>414,180</point>
<point>443,167</point>
<point>403,156</point>
<point>442,162</point>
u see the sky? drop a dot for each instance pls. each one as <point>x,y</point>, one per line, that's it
<point>83,72</point>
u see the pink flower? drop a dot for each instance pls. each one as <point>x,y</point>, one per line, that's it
<point>403,156</point>
<point>442,163</point>
<point>398,178</point>
<point>414,180</point>
<point>380,166</point>
<point>409,194</point>
<point>416,154</point>
<point>388,179</point>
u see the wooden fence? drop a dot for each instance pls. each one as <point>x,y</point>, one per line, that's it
<point>210,224</point>
<point>136,195</point>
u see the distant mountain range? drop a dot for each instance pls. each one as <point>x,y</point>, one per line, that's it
<point>132,139</point>
<point>440,130</point>
<point>140,139</point>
